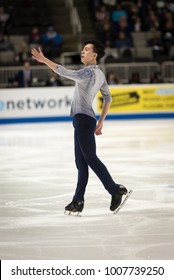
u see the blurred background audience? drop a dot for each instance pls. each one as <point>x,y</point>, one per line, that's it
<point>132,31</point>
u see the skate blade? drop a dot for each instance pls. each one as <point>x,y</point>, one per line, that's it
<point>71,213</point>
<point>123,202</point>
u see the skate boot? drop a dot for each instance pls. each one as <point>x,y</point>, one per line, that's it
<point>74,207</point>
<point>117,198</point>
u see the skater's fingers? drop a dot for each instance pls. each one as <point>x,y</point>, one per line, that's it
<point>98,132</point>
<point>40,51</point>
<point>34,52</point>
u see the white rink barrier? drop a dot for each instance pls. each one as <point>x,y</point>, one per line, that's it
<point>53,103</point>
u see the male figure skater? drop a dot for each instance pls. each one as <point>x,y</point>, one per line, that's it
<point>88,81</point>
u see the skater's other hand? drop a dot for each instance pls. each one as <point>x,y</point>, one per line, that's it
<point>98,130</point>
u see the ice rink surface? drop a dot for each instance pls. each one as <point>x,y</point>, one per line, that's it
<point>38,178</point>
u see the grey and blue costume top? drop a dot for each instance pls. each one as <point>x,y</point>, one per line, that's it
<point>88,81</point>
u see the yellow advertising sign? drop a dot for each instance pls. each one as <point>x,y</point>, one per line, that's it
<point>141,98</point>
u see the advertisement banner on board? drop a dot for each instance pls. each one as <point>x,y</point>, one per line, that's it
<point>140,99</point>
<point>54,104</point>
<point>35,102</point>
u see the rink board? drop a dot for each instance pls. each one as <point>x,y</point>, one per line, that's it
<point>53,104</point>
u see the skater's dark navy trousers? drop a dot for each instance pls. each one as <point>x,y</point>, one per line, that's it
<point>85,156</point>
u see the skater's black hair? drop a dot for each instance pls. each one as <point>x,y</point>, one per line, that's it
<point>98,47</point>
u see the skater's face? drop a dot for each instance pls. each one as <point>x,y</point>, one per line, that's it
<point>88,56</point>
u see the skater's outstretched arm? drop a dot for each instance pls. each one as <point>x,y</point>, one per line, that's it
<point>39,56</point>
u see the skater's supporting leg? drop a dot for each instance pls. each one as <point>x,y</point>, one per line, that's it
<point>83,173</point>
<point>75,206</point>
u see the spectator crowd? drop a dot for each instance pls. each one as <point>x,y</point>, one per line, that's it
<point>116,20</point>
<point>114,23</point>
<point>44,36</point>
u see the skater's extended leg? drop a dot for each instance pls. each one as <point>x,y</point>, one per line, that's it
<point>85,128</point>
<point>116,199</point>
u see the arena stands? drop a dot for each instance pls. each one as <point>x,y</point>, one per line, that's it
<point>137,34</point>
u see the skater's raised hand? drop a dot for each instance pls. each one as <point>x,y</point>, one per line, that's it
<point>38,55</point>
